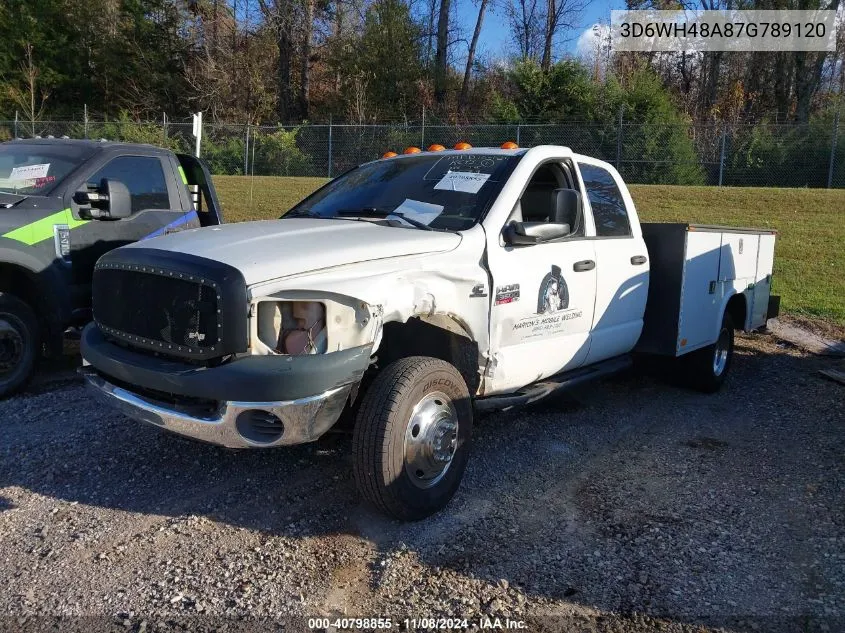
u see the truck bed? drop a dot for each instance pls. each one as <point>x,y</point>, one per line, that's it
<point>695,269</point>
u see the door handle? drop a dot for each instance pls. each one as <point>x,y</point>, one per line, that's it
<point>636,260</point>
<point>583,265</point>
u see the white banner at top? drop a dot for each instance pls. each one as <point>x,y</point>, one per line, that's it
<point>735,30</point>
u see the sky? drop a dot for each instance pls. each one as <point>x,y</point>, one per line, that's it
<point>496,40</point>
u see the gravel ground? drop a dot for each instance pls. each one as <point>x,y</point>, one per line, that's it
<point>631,505</point>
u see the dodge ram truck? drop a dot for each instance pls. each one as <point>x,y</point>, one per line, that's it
<point>63,203</point>
<point>407,295</point>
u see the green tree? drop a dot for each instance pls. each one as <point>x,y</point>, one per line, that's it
<point>381,68</point>
<point>656,142</point>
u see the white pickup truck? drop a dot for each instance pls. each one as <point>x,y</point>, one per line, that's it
<point>405,296</point>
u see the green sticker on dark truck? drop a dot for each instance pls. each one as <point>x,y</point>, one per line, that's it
<point>40,230</point>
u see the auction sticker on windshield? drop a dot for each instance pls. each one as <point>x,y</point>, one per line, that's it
<point>468,182</point>
<point>29,172</point>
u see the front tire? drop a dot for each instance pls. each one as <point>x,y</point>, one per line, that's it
<point>707,368</point>
<point>20,343</point>
<point>412,437</point>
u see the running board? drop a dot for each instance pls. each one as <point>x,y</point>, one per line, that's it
<point>554,384</point>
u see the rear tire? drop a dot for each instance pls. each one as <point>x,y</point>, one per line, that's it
<point>20,343</point>
<point>707,368</point>
<point>412,437</point>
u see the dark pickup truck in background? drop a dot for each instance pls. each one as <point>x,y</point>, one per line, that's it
<point>63,204</point>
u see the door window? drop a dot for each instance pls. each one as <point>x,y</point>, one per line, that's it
<point>144,178</point>
<point>537,201</point>
<point>606,200</point>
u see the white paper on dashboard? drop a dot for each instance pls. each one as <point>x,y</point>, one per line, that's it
<point>424,212</point>
<point>29,172</point>
<point>466,181</point>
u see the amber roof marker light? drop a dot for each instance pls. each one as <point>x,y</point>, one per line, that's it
<point>412,150</point>
<point>509,145</point>
<point>436,147</point>
<point>463,145</point>
<point>389,154</point>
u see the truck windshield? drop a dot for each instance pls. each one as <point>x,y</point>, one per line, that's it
<point>448,192</point>
<point>37,169</point>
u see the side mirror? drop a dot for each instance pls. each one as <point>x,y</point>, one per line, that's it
<point>119,201</point>
<point>525,233</point>
<point>568,207</point>
<point>111,201</point>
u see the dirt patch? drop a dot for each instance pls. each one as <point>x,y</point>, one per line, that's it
<point>629,505</point>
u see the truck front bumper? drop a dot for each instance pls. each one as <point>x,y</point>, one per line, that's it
<point>232,424</point>
<point>253,402</point>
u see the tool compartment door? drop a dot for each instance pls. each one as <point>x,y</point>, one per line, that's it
<point>738,256</point>
<point>701,296</point>
<point>763,281</point>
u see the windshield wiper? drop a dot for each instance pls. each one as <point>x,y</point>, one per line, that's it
<point>303,214</point>
<point>373,212</point>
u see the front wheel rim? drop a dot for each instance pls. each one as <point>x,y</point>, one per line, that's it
<point>11,347</point>
<point>720,353</point>
<point>431,439</point>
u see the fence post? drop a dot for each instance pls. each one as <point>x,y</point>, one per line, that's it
<point>517,134</point>
<point>198,132</point>
<point>246,151</point>
<point>85,121</point>
<point>833,149</point>
<point>16,124</point>
<point>163,128</point>
<point>722,157</point>
<point>619,140</point>
<point>422,132</point>
<point>330,147</point>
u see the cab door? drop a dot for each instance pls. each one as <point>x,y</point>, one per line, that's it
<point>542,294</point>
<point>158,207</point>
<point>621,262</point>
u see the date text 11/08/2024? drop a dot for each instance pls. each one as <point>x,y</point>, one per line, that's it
<point>414,624</point>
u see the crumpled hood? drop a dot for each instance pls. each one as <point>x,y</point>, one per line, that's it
<point>271,249</point>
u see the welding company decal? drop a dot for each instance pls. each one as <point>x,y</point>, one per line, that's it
<point>554,293</point>
<point>553,310</point>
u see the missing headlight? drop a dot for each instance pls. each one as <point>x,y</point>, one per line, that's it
<point>293,327</point>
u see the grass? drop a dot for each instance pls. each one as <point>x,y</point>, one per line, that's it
<point>809,255</point>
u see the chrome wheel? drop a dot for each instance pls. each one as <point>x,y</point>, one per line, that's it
<point>431,438</point>
<point>11,347</point>
<point>720,352</point>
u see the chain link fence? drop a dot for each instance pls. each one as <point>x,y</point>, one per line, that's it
<point>759,154</point>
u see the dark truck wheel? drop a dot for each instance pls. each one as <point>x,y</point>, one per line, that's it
<point>707,368</point>
<point>19,343</point>
<point>411,438</point>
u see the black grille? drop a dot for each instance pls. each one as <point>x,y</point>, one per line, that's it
<point>172,303</point>
<point>171,311</point>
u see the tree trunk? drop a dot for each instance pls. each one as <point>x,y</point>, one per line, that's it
<point>783,83</point>
<point>440,60</point>
<point>462,100</point>
<point>284,102</point>
<point>711,82</point>
<point>432,11</point>
<point>280,16</point>
<point>551,26</point>
<point>305,69</point>
<point>808,78</point>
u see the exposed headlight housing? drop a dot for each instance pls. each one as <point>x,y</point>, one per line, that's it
<point>292,327</point>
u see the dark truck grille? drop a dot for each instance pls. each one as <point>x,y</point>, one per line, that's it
<point>175,304</point>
